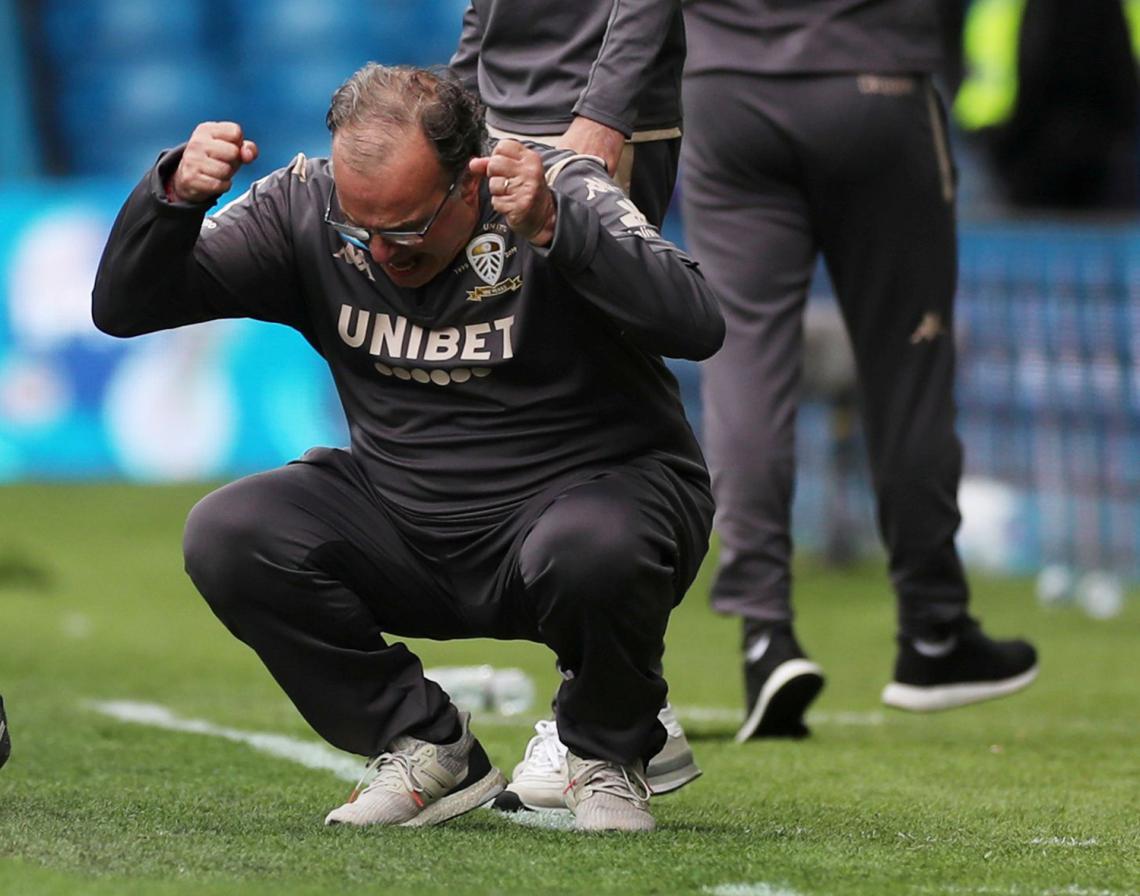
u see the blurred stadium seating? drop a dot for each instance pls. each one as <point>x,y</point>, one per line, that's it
<point>125,78</point>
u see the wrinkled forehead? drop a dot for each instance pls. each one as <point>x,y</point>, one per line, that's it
<point>393,176</point>
<point>400,152</point>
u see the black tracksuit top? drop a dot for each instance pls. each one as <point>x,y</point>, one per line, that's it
<point>514,369</point>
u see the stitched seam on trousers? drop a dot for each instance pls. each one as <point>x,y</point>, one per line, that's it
<point>941,146</point>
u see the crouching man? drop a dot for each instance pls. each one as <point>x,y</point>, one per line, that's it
<point>519,466</point>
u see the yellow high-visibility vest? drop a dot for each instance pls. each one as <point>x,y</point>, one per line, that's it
<point>989,48</point>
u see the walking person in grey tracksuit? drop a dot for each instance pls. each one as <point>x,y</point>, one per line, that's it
<point>602,78</point>
<point>519,468</point>
<point>813,128</point>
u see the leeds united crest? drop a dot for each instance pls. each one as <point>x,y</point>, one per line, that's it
<point>486,254</point>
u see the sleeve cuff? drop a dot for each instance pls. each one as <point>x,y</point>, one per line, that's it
<point>575,235</point>
<point>160,177</point>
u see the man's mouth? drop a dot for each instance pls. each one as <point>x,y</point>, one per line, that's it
<point>402,267</point>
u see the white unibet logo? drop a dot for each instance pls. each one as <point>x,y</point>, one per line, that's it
<point>486,254</point>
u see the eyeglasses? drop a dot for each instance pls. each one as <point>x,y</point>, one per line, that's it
<point>362,236</point>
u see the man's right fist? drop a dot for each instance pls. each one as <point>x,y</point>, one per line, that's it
<point>217,149</point>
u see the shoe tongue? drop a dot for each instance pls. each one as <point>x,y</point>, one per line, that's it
<point>406,744</point>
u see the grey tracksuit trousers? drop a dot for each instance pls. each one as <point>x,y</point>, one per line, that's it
<point>775,171</point>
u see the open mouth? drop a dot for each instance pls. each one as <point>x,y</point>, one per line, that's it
<point>402,267</point>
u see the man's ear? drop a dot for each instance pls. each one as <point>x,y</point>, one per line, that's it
<point>469,188</point>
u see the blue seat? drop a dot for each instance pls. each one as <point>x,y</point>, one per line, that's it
<point>303,86</point>
<point>143,107</point>
<point>280,31</point>
<point>118,30</point>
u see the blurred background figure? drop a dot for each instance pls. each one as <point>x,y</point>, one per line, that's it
<point>1051,91</point>
<point>817,131</point>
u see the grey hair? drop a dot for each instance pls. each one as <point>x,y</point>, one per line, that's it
<point>372,108</point>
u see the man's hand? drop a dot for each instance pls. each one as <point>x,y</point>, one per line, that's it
<point>590,138</point>
<point>217,149</point>
<point>518,190</point>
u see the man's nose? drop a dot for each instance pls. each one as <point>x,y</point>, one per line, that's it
<point>382,250</point>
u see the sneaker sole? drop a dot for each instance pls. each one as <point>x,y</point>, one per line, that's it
<point>670,778</point>
<point>951,696</point>
<point>670,782</point>
<point>472,797</point>
<point>511,800</point>
<point>789,690</point>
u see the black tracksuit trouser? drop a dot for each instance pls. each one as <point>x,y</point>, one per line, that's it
<point>313,569</point>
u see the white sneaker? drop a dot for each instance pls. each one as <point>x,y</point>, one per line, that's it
<point>540,778</point>
<point>416,783</point>
<point>605,796</point>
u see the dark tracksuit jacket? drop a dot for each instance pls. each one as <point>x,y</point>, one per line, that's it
<point>473,404</point>
<point>618,62</point>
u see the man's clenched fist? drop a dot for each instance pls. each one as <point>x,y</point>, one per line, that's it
<point>217,149</point>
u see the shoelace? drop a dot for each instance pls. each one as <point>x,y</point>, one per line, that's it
<point>599,776</point>
<point>392,772</point>
<point>545,752</point>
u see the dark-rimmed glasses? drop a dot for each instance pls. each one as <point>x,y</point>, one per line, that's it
<point>362,236</point>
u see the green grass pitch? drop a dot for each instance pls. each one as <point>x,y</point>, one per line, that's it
<point>1035,794</point>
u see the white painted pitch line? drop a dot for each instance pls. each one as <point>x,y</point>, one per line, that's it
<point>310,754</point>
<point>307,753</point>
<point>754,889</point>
<point>1064,841</point>
<point>718,714</point>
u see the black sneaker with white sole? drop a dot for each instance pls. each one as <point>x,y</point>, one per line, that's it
<point>965,667</point>
<point>5,738</point>
<point>780,682</point>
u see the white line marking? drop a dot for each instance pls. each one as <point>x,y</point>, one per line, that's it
<point>307,753</point>
<point>1063,841</point>
<point>77,626</point>
<point>757,889</point>
<point>718,714</point>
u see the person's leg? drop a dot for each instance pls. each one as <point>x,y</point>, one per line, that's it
<point>883,197</point>
<point>305,566</point>
<point>746,223</point>
<point>884,206</point>
<point>600,570</point>
<point>652,176</point>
